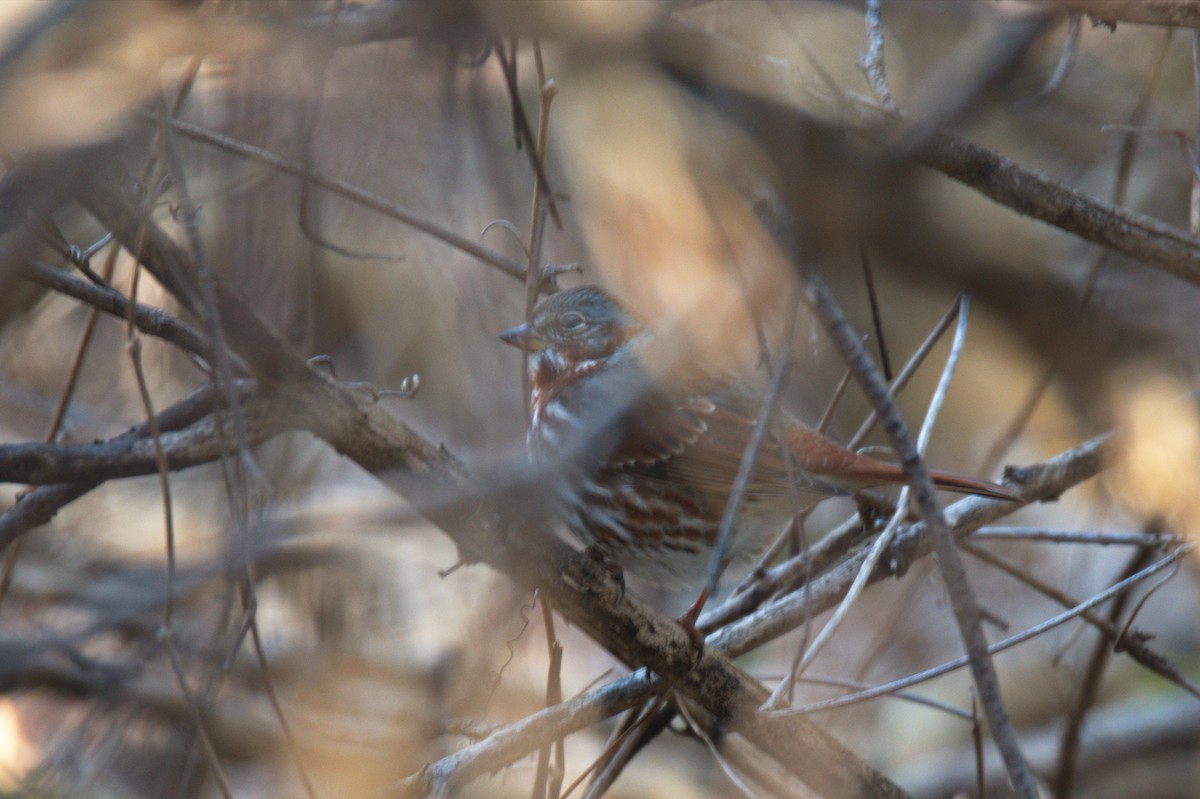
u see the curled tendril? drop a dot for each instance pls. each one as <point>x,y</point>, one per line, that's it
<point>504,224</point>
<point>408,386</point>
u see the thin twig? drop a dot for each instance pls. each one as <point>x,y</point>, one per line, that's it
<point>289,737</point>
<point>839,390</point>
<point>1040,534</point>
<point>999,646</point>
<point>38,506</point>
<point>885,363</point>
<point>545,782</point>
<point>534,276</point>
<point>133,345</point>
<point>147,319</point>
<point>525,138</point>
<point>883,541</point>
<point>1137,608</point>
<point>244,466</point>
<point>639,727</point>
<point>720,554</point>
<point>1063,782</point>
<point>699,731</point>
<point>323,53</point>
<point>1135,644</point>
<point>977,741</point>
<point>910,368</point>
<point>13,553</point>
<point>962,600</point>
<point>132,456</point>
<point>871,62</point>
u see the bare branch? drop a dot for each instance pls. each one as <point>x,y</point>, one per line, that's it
<point>1134,642</point>
<point>151,321</point>
<point>1032,194</point>
<point>1039,482</point>
<point>1114,590</point>
<point>1001,179</point>
<point>202,442</point>
<point>1174,13</point>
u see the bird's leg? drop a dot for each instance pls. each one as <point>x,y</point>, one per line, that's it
<point>874,509</point>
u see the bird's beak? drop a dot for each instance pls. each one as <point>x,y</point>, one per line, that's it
<point>523,338</point>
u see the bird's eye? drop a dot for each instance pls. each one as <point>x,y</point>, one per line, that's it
<point>571,322</point>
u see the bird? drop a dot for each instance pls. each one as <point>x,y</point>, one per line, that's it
<point>642,465</point>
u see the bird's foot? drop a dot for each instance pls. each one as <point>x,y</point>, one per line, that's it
<point>611,566</point>
<point>874,509</point>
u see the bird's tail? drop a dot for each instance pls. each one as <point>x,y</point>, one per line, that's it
<point>969,485</point>
<point>867,471</point>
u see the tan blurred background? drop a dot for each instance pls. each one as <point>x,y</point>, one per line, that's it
<point>666,196</point>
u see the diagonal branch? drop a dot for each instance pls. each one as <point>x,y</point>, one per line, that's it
<point>715,66</point>
<point>147,319</point>
<point>1174,13</point>
<point>37,507</point>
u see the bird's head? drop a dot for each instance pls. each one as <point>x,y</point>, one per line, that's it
<point>577,325</point>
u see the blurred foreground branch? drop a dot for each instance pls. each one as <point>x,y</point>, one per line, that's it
<point>296,396</point>
<point>373,438</point>
<point>717,68</point>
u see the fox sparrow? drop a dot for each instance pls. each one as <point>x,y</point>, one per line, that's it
<point>643,468</point>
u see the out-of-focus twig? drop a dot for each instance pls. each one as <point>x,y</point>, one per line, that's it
<point>1060,69</point>
<point>1116,589</point>
<point>1172,13</point>
<point>149,320</point>
<point>871,62</point>
<point>1135,643</point>
<point>350,192</point>
<point>1019,188</point>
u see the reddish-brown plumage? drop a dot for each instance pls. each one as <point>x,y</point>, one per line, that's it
<point>644,468</point>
